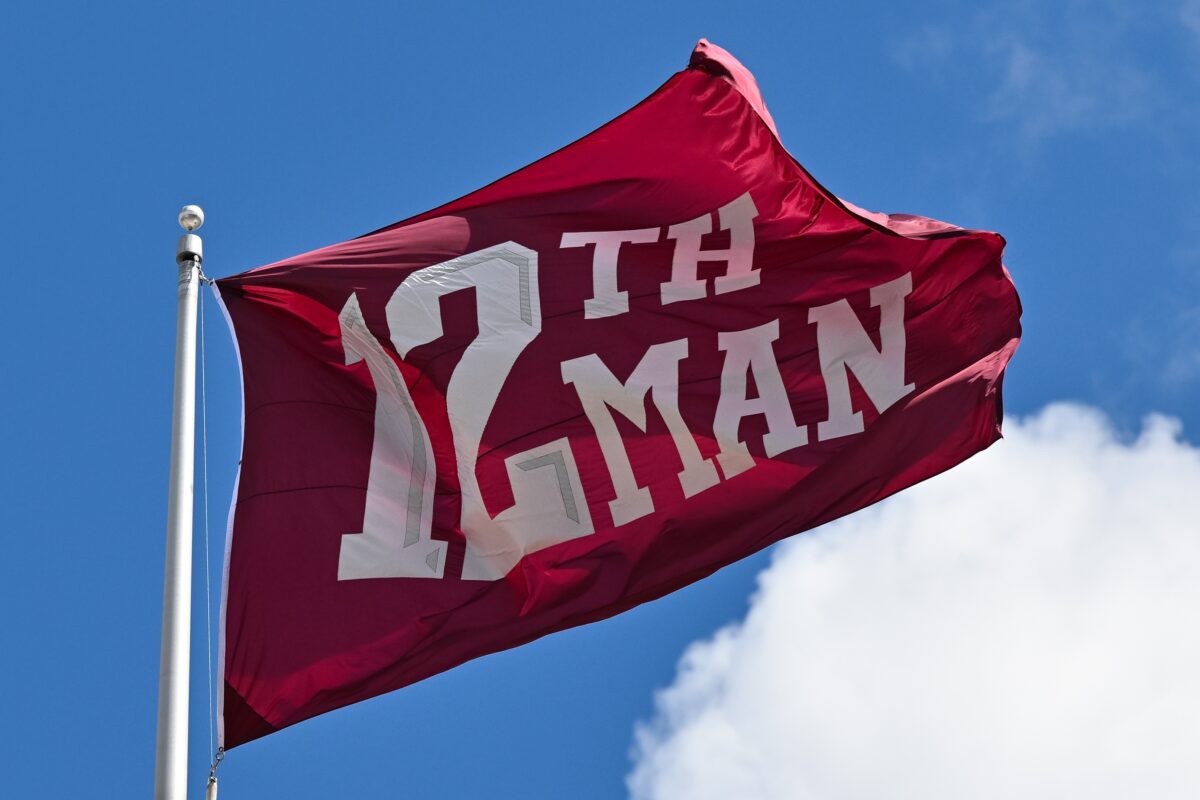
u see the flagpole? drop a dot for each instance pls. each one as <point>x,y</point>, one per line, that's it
<point>170,768</point>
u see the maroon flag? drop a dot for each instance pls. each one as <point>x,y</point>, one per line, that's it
<point>594,381</point>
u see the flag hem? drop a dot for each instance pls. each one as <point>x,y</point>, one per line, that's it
<point>220,687</point>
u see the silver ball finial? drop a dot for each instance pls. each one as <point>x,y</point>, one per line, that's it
<point>191,218</point>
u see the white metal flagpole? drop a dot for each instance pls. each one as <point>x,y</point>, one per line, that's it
<point>170,769</point>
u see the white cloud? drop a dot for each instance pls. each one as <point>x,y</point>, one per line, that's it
<point>1022,626</point>
<point>1182,367</point>
<point>1189,15</point>
<point>1042,70</point>
<point>929,44</point>
<point>1046,93</point>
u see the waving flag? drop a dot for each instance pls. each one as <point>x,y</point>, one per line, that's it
<point>603,377</point>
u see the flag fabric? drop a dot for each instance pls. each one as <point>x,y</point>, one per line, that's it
<point>592,382</point>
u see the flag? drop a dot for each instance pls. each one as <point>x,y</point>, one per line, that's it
<point>592,382</point>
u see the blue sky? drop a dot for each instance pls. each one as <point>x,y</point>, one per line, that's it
<point>1070,128</point>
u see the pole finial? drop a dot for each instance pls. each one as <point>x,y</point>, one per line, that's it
<point>191,248</point>
<point>191,218</point>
